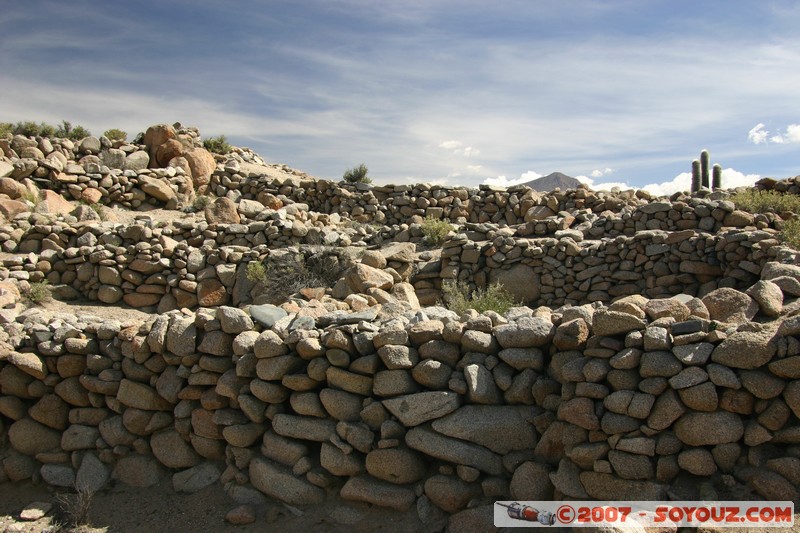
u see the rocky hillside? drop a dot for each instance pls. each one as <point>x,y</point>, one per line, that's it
<point>293,346</point>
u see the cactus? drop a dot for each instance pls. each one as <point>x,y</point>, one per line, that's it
<point>704,158</point>
<point>695,175</point>
<point>717,177</point>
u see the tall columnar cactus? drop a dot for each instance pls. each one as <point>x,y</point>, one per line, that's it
<point>695,175</point>
<point>717,177</point>
<point>704,160</point>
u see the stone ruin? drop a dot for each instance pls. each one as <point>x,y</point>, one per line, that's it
<point>656,356</point>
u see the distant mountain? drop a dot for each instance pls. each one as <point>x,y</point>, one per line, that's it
<point>551,181</point>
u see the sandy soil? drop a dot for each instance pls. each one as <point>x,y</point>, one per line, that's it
<point>122,509</point>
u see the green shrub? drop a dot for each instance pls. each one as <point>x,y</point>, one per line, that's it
<point>457,298</point>
<point>754,201</point>
<point>199,203</point>
<point>115,134</point>
<point>6,129</point>
<point>73,133</point>
<point>357,174</point>
<point>256,272</point>
<point>790,234</point>
<point>435,230</point>
<point>218,145</point>
<point>38,292</point>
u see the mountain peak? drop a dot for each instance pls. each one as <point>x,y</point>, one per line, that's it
<point>552,181</point>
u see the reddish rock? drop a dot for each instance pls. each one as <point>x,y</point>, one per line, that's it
<point>222,211</point>
<point>211,293</point>
<point>202,164</point>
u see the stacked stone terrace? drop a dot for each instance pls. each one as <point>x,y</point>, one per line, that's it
<point>658,348</point>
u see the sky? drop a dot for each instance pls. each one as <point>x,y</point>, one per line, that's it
<point>617,92</point>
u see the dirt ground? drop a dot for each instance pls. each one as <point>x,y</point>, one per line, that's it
<point>123,509</point>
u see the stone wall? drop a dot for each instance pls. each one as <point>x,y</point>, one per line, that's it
<point>617,402</point>
<point>191,262</point>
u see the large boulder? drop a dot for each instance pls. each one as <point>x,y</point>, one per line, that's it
<point>731,306</point>
<point>521,281</point>
<point>202,164</point>
<point>157,135</point>
<point>222,211</point>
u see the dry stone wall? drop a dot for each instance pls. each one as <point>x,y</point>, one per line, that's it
<point>606,402</point>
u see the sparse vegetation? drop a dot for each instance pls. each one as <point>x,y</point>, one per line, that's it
<point>754,201</point>
<point>790,234</point>
<point>73,133</point>
<point>72,512</point>
<point>98,208</point>
<point>38,292</point>
<point>457,298</point>
<point>218,145</point>
<point>357,174</point>
<point>115,134</point>
<point>31,194</point>
<point>199,203</point>
<point>256,272</point>
<point>29,128</point>
<point>285,273</point>
<point>435,230</point>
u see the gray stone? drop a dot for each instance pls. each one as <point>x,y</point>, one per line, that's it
<point>688,377</point>
<point>92,474</point>
<point>30,438</point>
<point>380,493</point>
<point>566,480</point>
<point>502,429</point>
<point>579,411</point>
<point>693,354</point>
<point>456,451</point>
<point>731,306</point>
<point>697,461</point>
<point>58,475</point>
<point>170,448</point>
<point>531,481</point>
<point>746,349</point>
<point>450,493</point>
<point>702,429</point>
<point>522,358</point>
<point>607,487</point>
<point>138,471</point>
<point>233,320</point>
<point>304,427</point>
<point>481,387</point>
<point>181,336</point>
<point>396,465</point>
<point>278,482</point>
<point>527,332</point>
<point>631,466</point>
<point>609,323</point>
<point>415,409</point>
<point>769,297</point>
<point>266,314</point>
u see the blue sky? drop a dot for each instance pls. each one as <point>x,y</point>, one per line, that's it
<point>456,92</point>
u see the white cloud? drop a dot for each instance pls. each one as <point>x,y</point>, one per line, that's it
<point>474,168</point>
<point>451,145</point>
<point>683,182</point>
<point>502,181</point>
<point>758,135</point>
<point>606,186</point>
<point>469,151</point>
<point>599,173</point>
<point>792,135</point>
